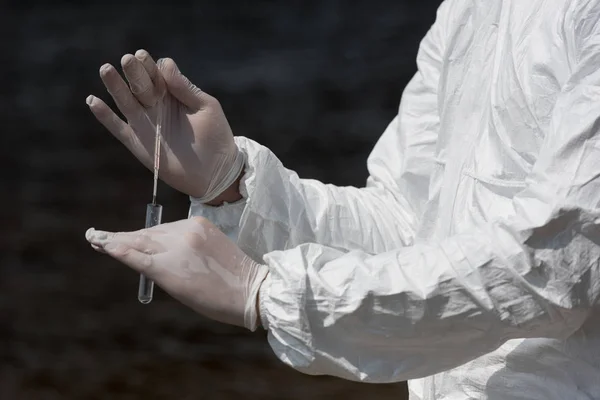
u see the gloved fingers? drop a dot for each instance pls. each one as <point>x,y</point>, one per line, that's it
<point>152,70</point>
<point>99,238</point>
<point>140,83</point>
<point>120,92</point>
<point>142,240</point>
<point>111,121</point>
<point>134,249</point>
<point>180,86</point>
<point>135,259</point>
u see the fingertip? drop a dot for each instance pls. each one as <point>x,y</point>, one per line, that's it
<point>89,234</point>
<point>99,238</point>
<point>126,60</point>
<point>142,54</point>
<point>89,100</point>
<point>105,69</point>
<point>99,109</point>
<point>167,63</point>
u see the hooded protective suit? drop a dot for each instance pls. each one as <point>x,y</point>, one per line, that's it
<point>470,262</point>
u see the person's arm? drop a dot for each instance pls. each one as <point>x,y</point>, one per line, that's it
<point>414,312</point>
<point>280,211</point>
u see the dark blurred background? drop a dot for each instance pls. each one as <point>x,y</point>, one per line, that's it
<point>315,81</point>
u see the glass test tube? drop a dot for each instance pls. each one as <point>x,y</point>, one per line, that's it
<point>146,287</point>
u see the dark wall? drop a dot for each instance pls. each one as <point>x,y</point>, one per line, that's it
<point>316,81</point>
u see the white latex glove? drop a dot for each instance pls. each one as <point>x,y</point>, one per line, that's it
<point>199,156</point>
<point>194,262</point>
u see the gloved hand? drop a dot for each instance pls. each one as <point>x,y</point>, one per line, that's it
<point>199,156</point>
<point>194,262</point>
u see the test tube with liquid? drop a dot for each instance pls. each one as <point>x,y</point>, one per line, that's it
<point>146,287</point>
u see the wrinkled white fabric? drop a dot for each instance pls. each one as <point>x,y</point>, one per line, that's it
<point>470,263</point>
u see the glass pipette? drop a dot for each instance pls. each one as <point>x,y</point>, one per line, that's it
<point>153,210</point>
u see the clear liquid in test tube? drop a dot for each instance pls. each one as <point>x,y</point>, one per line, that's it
<point>146,287</point>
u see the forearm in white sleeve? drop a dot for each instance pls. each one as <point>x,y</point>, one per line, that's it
<point>283,211</point>
<point>413,312</point>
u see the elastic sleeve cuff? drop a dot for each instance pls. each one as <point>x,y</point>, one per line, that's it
<point>262,302</point>
<point>282,309</point>
<point>228,215</point>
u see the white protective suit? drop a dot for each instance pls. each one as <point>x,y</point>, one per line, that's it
<point>470,262</point>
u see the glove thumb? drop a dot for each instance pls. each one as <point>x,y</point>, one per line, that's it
<point>180,86</point>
